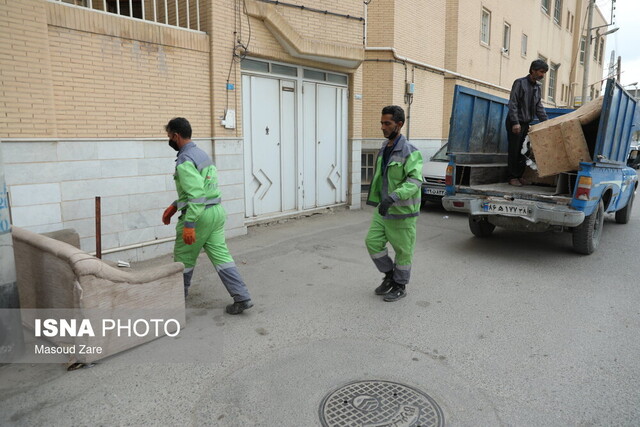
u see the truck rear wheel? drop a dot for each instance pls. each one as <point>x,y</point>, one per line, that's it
<point>624,214</point>
<point>586,236</point>
<point>479,226</point>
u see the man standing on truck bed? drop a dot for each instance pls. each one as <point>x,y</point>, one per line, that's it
<point>525,101</point>
<point>395,190</point>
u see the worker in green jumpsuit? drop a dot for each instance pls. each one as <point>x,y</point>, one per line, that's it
<point>395,190</point>
<point>201,223</point>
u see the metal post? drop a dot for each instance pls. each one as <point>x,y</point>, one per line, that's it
<point>98,229</point>
<point>198,12</point>
<point>618,71</point>
<point>587,53</point>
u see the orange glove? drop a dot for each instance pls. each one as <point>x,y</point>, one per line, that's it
<point>189,235</point>
<point>168,213</point>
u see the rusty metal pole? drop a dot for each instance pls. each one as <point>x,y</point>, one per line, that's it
<point>98,229</point>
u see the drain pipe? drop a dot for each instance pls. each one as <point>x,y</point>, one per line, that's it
<point>365,13</point>
<point>434,68</point>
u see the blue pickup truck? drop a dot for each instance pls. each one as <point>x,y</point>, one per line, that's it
<point>574,201</point>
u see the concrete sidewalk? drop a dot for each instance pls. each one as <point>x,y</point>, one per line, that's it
<point>490,347</point>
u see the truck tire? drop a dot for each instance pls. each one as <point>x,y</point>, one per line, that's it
<point>479,226</point>
<point>586,236</point>
<point>624,214</point>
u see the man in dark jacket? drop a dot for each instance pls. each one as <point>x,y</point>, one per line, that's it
<point>525,102</point>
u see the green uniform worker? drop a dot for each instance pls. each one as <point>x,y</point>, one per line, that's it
<point>395,189</point>
<point>201,224</point>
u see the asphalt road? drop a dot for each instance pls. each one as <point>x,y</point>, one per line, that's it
<point>515,329</point>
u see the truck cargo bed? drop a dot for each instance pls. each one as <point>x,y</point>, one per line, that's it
<point>526,192</point>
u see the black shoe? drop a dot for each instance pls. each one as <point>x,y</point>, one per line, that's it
<point>239,306</point>
<point>396,293</point>
<point>386,285</point>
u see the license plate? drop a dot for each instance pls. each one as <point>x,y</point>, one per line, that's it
<point>507,209</point>
<point>434,191</point>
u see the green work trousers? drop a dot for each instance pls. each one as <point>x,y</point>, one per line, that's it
<point>210,237</point>
<point>401,234</point>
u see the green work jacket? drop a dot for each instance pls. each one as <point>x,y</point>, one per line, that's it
<point>196,180</point>
<point>400,178</point>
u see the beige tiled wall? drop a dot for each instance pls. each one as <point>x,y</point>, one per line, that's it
<point>446,34</point>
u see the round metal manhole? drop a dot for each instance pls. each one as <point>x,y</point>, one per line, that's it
<point>378,404</point>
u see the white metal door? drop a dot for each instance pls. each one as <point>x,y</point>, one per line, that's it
<point>309,180</point>
<point>269,130</point>
<point>325,145</point>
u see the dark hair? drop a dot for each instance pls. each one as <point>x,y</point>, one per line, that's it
<point>396,111</point>
<point>179,125</point>
<point>539,64</point>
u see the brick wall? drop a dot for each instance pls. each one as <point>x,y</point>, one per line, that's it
<point>87,98</point>
<point>27,102</point>
<point>88,94</point>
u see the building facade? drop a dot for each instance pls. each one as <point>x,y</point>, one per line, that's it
<point>88,86</point>
<point>285,96</point>
<point>481,44</point>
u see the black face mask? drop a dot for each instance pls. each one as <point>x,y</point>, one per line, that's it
<point>394,134</point>
<point>173,144</point>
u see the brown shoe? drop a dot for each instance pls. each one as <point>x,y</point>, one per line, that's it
<point>515,182</point>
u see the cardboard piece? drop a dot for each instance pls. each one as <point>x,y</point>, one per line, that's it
<point>559,144</point>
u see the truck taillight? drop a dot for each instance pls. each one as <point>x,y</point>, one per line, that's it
<point>448,179</point>
<point>584,188</point>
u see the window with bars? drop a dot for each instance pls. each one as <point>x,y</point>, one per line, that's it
<point>583,45</point>
<point>601,50</point>
<point>506,38</point>
<point>553,77</point>
<point>572,22</point>
<point>367,167</point>
<point>177,13</point>
<point>557,12</point>
<point>485,26</point>
<point>545,6</point>
<point>525,41</point>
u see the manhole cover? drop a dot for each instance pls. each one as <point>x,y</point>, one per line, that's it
<point>379,403</point>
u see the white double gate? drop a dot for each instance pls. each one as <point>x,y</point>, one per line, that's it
<point>295,145</point>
